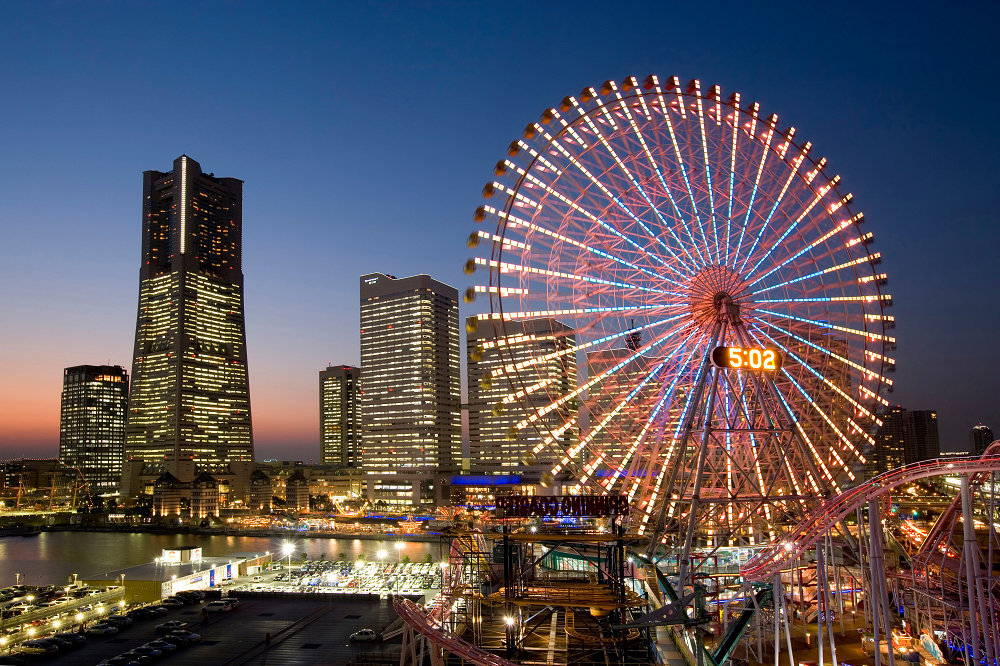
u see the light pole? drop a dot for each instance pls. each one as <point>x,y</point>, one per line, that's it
<point>381,557</point>
<point>287,550</point>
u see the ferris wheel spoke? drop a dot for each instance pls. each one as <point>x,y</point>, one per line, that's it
<point>830,299</point>
<point>791,354</point>
<point>867,373</point>
<point>867,259</point>
<point>596,430</point>
<point>621,165</point>
<point>822,239</point>
<point>656,168</point>
<point>542,411</point>
<point>668,394</point>
<point>574,349</point>
<point>793,172</point>
<point>819,194</point>
<point>770,122</point>
<point>680,160</point>
<point>868,335</point>
<point>732,170</point>
<point>708,167</point>
<point>604,189</point>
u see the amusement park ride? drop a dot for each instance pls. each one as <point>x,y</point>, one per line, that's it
<point>732,316</point>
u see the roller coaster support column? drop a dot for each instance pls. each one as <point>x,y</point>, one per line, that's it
<point>880,597</point>
<point>974,578</point>
<point>823,586</point>
<point>781,607</point>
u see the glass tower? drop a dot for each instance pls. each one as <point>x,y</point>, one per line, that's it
<point>92,423</point>
<point>339,415</point>
<point>190,392</point>
<point>411,388</point>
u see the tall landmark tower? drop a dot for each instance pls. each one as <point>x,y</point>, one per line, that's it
<point>190,395</point>
<point>411,389</point>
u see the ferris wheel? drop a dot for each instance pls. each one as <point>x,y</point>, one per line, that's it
<point>719,305</point>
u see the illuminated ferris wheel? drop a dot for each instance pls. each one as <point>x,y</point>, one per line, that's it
<point>719,303</point>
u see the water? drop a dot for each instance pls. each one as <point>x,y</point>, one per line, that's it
<point>51,557</point>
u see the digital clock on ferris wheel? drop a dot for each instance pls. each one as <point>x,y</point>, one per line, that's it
<point>747,358</point>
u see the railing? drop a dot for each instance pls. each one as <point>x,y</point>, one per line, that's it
<point>820,520</point>
<point>424,625</point>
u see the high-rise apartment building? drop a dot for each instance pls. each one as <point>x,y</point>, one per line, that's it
<point>889,451</point>
<point>979,438</point>
<point>340,415</point>
<point>190,395</point>
<point>411,388</point>
<point>496,446</point>
<point>920,435</point>
<point>92,423</point>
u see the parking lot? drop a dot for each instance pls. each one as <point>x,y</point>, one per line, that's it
<point>420,578</point>
<point>302,632</point>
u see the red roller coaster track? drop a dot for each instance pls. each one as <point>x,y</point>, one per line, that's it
<point>818,522</point>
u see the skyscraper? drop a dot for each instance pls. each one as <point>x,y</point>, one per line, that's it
<point>190,394</point>
<point>495,445</point>
<point>411,388</point>
<point>92,423</point>
<point>339,415</point>
<point>920,435</point>
<point>889,451</point>
<point>979,438</point>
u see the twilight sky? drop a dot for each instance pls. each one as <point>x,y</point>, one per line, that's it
<point>365,132</point>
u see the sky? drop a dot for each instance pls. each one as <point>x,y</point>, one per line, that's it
<point>365,131</point>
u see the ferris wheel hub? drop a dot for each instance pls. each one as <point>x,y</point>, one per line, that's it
<point>714,291</point>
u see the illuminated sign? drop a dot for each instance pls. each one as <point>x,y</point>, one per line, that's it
<point>747,358</point>
<point>564,505</point>
<point>171,556</point>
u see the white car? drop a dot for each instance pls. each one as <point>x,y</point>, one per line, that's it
<point>218,607</point>
<point>365,635</point>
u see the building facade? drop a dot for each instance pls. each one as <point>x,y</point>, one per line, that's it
<point>496,445</point>
<point>979,438</point>
<point>92,424</point>
<point>411,389</point>
<point>339,415</point>
<point>920,435</point>
<point>889,451</point>
<point>190,391</point>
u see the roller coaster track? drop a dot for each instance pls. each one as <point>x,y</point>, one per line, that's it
<point>824,517</point>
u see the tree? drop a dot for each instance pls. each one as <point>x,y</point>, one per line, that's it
<point>427,558</point>
<point>406,559</point>
<point>342,557</point>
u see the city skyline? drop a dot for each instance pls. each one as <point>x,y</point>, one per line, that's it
<point>299,308</point>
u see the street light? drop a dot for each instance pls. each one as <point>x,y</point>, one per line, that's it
<point>287,551</point>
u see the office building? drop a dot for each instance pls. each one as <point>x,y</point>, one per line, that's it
<point>92,424</point>
<point>411,389</point>
<point>190,395</point>
<point>496,445</point>
<point>889,451</point>
<point>339,415</point>
<point>920,435</point>
<point>979,438</point>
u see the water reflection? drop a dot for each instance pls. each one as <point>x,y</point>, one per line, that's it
<point>51,557</point>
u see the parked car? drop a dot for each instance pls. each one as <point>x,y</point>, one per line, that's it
<point>60,643</point>
<point>166,647</point>
<point>119,621</point>
<point>188,636</point>
<point>119,661</point>
<point>102,630</point>
<point>151,652</point>
<point>173,625</point>
<point>365,635</point>
<point>135,656</point>
<point>38,646</point>
<point>171,603</point>
<point>217,607</point>
<point>74,638</point>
